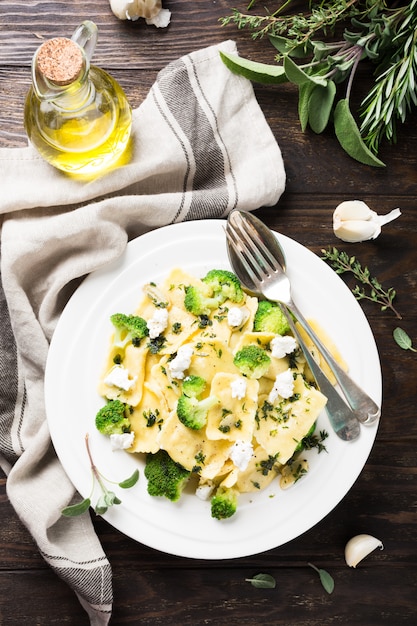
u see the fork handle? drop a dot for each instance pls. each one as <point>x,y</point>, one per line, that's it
<point>367,411</point>
<point>343,420</point>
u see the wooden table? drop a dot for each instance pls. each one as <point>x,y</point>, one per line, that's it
<point>154,588</point>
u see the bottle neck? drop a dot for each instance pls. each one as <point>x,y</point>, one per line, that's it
<point>61,74</point>
<point>76,96</point>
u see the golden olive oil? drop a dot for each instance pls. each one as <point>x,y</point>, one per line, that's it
<point>82,139</point>
<point>76,115</point>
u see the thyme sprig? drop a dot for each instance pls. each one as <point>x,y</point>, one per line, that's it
<point>299,26</point>
<point>373,290</point>
<point>107,498</point>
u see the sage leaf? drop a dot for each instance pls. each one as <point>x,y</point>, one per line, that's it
<point>101,505</point>
<point>262,581</point>
<point>403,340</point>
<point>129,482</point>
<point>350,138</point>
<point>321,50</point>
<point>297,76</point>
<point>286,46</point>
<point>304,92</point>
<point>320,106</point>
<point>325,578</point>
<point>110,498</point>
<point>254,71</point>
<point>76,509</point>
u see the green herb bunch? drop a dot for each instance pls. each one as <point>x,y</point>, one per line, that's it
<point>319,49</point>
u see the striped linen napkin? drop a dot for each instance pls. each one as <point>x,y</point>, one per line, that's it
<point>201,147</point>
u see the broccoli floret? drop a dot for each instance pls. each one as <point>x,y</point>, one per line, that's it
<point>224,503</point>
<point>193,386</point>
<point>113,419</point>
<point>128,328</point>
<point>197,302</point>
<point>224,285</point>
<point>270,319</point>
<point>252,360</point>
<point>219,286</point>
<point>192,412</point>
<point>165,477</point>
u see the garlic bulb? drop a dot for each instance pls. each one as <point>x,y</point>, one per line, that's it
<point>354,221</point>
<point>359,547</point>
<point>151,10</point>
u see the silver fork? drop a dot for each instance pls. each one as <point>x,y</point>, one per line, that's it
<point>252,263</point>
<point>267,267</point>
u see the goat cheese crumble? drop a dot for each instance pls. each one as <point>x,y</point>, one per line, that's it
<point>235,316</point>
<point>121,441</point>
<point>158,322</point>
<point>241,453</point>
<point>283,345</point>
<point>181,362</point>
<point>119,377</point>
<point>238,388</point>
<point>283,386</point>
<point>204,491</point>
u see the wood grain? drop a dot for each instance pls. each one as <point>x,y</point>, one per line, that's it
<point>153,588</point>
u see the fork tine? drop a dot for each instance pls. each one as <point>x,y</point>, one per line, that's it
<point>246,258</point>
<point>256,246</point>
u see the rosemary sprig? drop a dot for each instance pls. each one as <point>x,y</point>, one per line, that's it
<point>373,290</point>
<point>394,91</point>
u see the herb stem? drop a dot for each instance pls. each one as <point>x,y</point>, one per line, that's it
<point>94,468</point>
<point>342,263</point>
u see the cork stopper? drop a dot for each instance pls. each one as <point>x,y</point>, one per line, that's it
<point>60,60</point>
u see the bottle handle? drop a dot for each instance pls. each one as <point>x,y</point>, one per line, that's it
<point>86,37</point>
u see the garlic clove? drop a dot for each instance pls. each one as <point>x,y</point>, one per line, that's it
<point>134,9</point>
<point>161,19</point>
<point>360,547</point>
<point>392,215</point>
<point>353,210</point>
<point>354,231</point>
<point>354,221</point>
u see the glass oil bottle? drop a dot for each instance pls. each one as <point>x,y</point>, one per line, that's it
<point>76,115</point>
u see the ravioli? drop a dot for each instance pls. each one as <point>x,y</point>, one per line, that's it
<point>244,413</point>
<point>188,447</point>
<point>134,362</point>
<point>234,418</point>
<point>281,427</point>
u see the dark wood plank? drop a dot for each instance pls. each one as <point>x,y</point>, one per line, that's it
<point>152,587</point>
<point>199,596</point>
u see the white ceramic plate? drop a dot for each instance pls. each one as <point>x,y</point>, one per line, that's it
<point>264,520</point>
